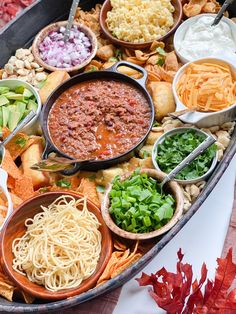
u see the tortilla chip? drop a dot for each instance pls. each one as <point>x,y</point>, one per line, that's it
<point>88,188</point>
<point>157,44</point>
<point>11,182</point>
<point>17,145</point>
<point>119,261</point>
<point>119,246</point>
<point>6,286</point>
<point>6,290</point>
<point>1,73</point>
<point>126,264</point>
<point>107,272</point>
<point>16,200</point>
<point>24,187</point>
<point>2,199</point>
<point>5,132</point>
<point>10,167</point>
<point>194,7</point>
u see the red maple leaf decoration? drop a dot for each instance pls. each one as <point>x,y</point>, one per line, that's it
<point>177,294</point>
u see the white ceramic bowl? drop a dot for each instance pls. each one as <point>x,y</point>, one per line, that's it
<point>3,187</point>
<point>182,29</point>
<point>32,126</point>
<point>204,119</point>
<point>177,131</point>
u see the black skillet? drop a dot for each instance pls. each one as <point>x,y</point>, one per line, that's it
<point>111,74</point>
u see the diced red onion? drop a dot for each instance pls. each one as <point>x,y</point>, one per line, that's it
<point>55,52</point>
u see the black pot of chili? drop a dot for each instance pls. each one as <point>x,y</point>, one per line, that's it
<point>104,116</point>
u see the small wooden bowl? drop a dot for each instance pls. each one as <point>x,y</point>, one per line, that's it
<point>53,27</point>
<point>177,15</point>
<point>172,187</point>
<point>15,227</point>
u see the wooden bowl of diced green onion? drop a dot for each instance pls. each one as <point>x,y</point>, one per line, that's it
<point>17,99</point>
<point>134,207</point>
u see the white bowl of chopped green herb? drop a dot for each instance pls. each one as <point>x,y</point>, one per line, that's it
<point>17,99</point>
<point>134,208</point>
<point>173,146</point>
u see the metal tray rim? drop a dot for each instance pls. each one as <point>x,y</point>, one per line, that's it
<point>14,307</point>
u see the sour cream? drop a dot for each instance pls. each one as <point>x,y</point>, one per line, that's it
<point>202,40</point>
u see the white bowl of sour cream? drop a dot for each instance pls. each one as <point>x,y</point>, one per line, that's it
<point>196,38</point>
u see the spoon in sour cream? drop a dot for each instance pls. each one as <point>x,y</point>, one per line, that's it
<point>221,12</point>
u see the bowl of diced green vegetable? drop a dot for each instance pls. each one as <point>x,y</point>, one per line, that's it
<point>175,145</point>
<point>135,208</point>
<point>17,99</point>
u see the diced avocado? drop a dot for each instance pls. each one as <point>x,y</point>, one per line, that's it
<point>25,113</point>
<point>1,117</point>
<point>20,106</point>
<point>5,115</point>
<point>3,100</point>
<point>19,89</point>
<point>4,90</point>
<point>32,105</point>
<point>14,118</point>
<point>27,93</point>
<point>14,96</point>
<point>12,107</point>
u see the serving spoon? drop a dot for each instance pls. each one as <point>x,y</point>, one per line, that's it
<point>55,164</point>
<point>221,12</point>
<point>194,154</point>
<point>70,20</point>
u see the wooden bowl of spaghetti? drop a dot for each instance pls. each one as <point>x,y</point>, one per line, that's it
<point>65,238</point>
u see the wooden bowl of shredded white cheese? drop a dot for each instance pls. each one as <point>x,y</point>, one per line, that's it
<point>137,23</point>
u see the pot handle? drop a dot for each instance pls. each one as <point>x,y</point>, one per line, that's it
<point>47,151</point>
<point>72,171</point>
<point>141,80</point>
<point>68,172</point>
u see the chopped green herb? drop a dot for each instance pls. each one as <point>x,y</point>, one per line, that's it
<point>92,177</point>
<point>100,188</point>
<point>63,183</point>
<point>118,54</point>
<point>43,190</point>
<point>177,147</point>
<point>144,154</point>
<point>113,59</point>
<point>160,61</point>
<point>161,51</point>
<point>137,206</point>
<point>156,124</point>
<point>41,84</point>
<point>20,141</point>
<point>92,69</point>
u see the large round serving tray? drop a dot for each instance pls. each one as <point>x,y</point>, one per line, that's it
<point>20,33</point>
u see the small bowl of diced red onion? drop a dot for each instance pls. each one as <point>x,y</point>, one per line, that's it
<point>53,53</point>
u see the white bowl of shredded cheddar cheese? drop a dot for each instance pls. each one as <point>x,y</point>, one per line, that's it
<point>207,88</point>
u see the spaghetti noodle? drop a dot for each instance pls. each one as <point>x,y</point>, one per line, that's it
<point>61,246</point>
